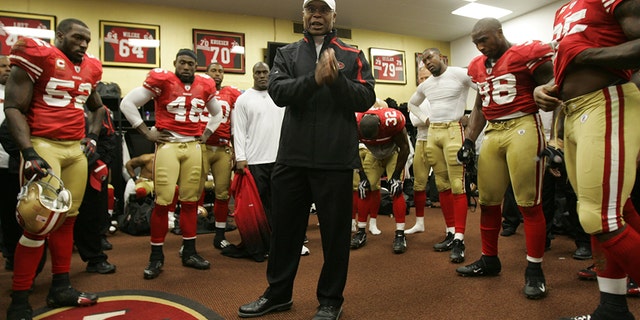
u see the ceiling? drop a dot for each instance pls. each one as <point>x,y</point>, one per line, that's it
<point>428,19</point>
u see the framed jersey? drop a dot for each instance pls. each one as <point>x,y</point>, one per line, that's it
<point>225,48</point>
<point>129,44</point>
<point>388,66</point>
<point>14,25</point>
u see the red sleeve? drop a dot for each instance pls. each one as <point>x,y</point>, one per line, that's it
<point>30,54</point>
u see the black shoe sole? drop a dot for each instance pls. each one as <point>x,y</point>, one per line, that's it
<point>275,308</point>
<point>92,270</point>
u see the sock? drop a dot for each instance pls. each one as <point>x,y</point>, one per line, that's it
<point>375,204</point>
<point>156,253</point>
<point>535,230</point>
<point>354,205</point>
<point>490,224</point>
<point>110,199</point>
<point>630,215</point>
<point>364,207</point>
<point>221,210</point>
<point>460,207</point>
<point>420,201</point>
<point>189,219</point>
<point>189,247</point>
<point>61,246</point>
<point>625,251</point>
<point>399,209</point>
<point>605,268</point>
<point>59,281</point>
<point>28,253</point>
<point>446,203</point>
<point>159,223</point>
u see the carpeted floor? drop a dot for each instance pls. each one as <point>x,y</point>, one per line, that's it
<point>420,284</point>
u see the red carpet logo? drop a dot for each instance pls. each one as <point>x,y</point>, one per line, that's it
<point>133,304</point>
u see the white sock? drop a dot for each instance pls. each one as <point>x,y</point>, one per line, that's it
<point>373,226</point>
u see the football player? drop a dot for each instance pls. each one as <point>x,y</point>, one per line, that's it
<point>180,98</point>
<point>506,75</point>
<point>218,153</point>
<point>382,131</point>
<point>447,91</point>
<point>45,95</point>
<point>596,55</point>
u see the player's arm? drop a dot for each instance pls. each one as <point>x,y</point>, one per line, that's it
<point>417,108</point>
<point>402,141</point>
<point>18,94</point>
<point>215,118</point>
<point>129,107</point>
<point>131,166</point>
<point>623,56</point>
<point>476,122</point>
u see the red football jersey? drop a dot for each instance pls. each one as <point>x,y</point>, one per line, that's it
<point>227,97</point>
<point>179,106</point>
<point>583,24</point>
<point>507,87</point>
<point>391,123</point>
<point>60,88</point>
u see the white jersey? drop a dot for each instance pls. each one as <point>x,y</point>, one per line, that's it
<point>256,122</point>
<point>447,94</point>
<point>421,127</point>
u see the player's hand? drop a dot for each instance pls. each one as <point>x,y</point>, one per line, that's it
<point>546,97</point>
<point>555,157</point>
<point>467,152</point>
<point>240,165</point>
<point>395,187</point>
<point>89,145</point>
<point>327,68</point>
<point>34,165</point>
<point>363,186</point>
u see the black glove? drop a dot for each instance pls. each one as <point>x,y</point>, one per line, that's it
<point>555,156</point>
<point>89,144</point>
<point>467,152</point>
<point>395,187</point>
<point>364,185</point>
<point>34,164</point>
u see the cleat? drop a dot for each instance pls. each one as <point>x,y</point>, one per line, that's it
<point>20,309</point>
<point>585,317</point>
<point>305,251</point>
<point>70,297</point>
<point>444,245</point>
<point>153,270</point>
<point>220,243</point>
<point>485,266</point>
<point>589,273</point>
<point>196,261</point>
<point>582,253</point>
<point>457,251</point>
<point>399,243</point>
<point>535,286</point>
<point>359,239</point>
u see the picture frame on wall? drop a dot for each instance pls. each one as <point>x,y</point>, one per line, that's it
<point>388,65</point>
<point>133,45</point>
<point>16,24</point>
<point>223,47</point>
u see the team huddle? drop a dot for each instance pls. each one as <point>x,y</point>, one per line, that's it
<point>336,146</point>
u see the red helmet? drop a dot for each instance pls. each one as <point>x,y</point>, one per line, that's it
<point>42,206</point>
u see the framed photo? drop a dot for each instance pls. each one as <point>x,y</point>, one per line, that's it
<point>388,66</point>
<point>129,44</point>
<point>14,25</point>
<point>226,48</point>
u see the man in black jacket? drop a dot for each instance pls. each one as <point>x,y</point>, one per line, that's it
<point>321,82</point>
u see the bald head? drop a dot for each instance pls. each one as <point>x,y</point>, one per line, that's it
<point>487,24</point>
<point>423,74</point>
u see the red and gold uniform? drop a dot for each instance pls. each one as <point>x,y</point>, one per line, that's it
<point>382,157</point>
<point>57,123</point>
<point>218,154</point>
<point>598,151</point>
<point>513,139</point>
<point>178,109</point>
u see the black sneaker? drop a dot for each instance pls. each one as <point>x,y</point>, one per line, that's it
<point>359,239</point>
<point>582,253</point>
<point>153,270</point>
<point>20,309</point>
<point>457,251</point>
<point>102,267</point>
<point>535,286</point>
<point>70,297</point>
<point>400,243</point>
<point>483,267</point>
<point>444,245</point>
<point>585,317</point>
<point>196,261</point>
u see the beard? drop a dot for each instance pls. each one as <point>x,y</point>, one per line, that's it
<point>186,79</point>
